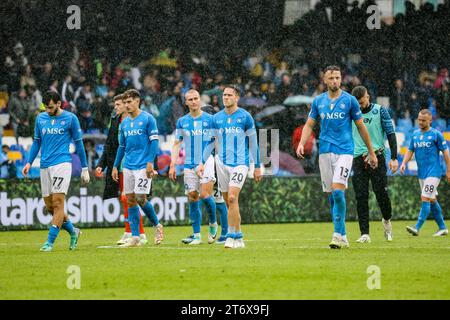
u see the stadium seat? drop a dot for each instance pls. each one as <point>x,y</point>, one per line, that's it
<point>4,119</point>
<point>400,139</point>
<point>14,155</point>
<point>439,124</point>
<point>25,142</point>
<point>9,141</point>
<point>446,135</point>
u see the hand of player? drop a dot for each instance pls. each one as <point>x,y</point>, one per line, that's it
<point>85,178</point>
<point>98,171</point>
<point>200,170</point>
<point>373,160</point>
<point>26,169</point>
<point>403,168</point>
<point>300,151</point>
<point>257,174</point>
<point>149,170</point>
<point>115,174</point>
<point>393,165</point>
<point>172,173</point>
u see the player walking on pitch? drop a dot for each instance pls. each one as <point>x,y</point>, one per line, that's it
<point>336,109</point>
<point>138,143</point>
<point>426,144</point>
<point>53,133</point>
<point>237,146</point>
<point>196,130</point>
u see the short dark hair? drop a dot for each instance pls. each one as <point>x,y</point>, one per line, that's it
<point>236,89</point>
<point>131,93</point>
<point>331,68</point>
<point>359,92</point>
<point>49,96</point>
<point>118,97</point>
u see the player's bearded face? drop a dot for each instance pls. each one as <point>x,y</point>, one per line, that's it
<point>333,80</point>
<point>52,108</point>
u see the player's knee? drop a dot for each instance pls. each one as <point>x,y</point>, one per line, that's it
<point>193,196</point>
<point>131,199</point>
<point>57,203</point>
<point>232,199</point>
<point>141,200</point>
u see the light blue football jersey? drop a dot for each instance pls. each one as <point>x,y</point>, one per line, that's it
<point>135,135</point>
<point>234,133</point>
<point>198,136</point>
<point>426,147</point>
<point>335,118</point>
<point>56,133</point>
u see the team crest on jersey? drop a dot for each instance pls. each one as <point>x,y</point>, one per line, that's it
<point>63,122</point>
<point>430,137</point>
<point>375,111</point>
<point>342,105</point>
<point>140,123</point>
<point>205,124</point>
<point>239,120</point>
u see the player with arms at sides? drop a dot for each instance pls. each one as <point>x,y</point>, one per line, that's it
<point>426,143</point>
<point>236,147</point>
<point>196,130</point>
<point>336,109</point>
<point>138,146</point>
<point>107,162</point>
<point>53,132</point>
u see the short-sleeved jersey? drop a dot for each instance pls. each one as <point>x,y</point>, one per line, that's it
<point>56,133</point>
<point>233,132</point>
<point>135,135</point>
<point>198,136</point>
<point>426,147</point>
<point>335,118</point>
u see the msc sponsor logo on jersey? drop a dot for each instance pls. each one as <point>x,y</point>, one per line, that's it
<point>422,144</point>
<point>59,131</point>
<point>198,132</point>
<point>332,115</point>
<point>232,130</point>
<point>133,132</point>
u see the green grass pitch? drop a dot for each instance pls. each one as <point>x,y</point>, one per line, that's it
<point>280,261</point>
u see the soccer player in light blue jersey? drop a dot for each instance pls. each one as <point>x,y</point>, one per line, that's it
<point>196,130</point>
<point>53,132</point>
<point>138,146</point>
<point>236,147</point>
<point>426,144</point>
<point>336,109</point>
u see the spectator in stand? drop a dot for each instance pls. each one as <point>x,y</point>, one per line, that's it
<point>443,102</point>
<point>27,78</point>
<point>35,96</point>
<point>398,99</point>
<point>20,107</point>
<point>148,106</point>
<point>7,167</point>
<point>67,94</point>
<point>45,77</point>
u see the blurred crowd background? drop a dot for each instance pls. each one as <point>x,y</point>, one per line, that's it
<point>164,48</point>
